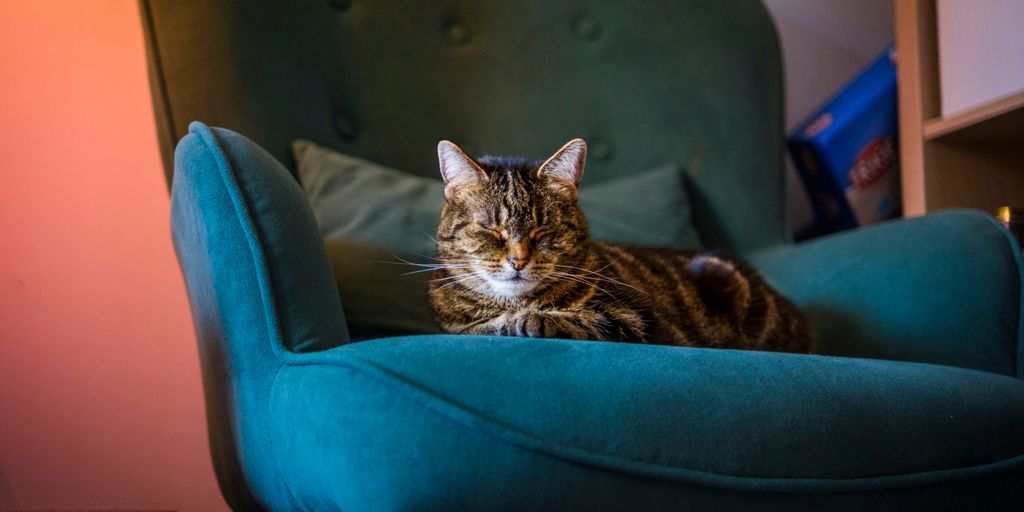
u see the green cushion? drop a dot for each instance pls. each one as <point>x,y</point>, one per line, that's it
<point>611,426</point>
<point>370,216</point>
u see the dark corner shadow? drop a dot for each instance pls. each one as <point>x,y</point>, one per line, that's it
<point>839,334</point>
<point>709,226</point>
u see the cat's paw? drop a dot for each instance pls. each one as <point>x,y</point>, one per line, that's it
<point>528,324</point>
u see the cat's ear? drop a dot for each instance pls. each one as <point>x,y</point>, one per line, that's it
<point>458,169</point>
<point>565,167</point>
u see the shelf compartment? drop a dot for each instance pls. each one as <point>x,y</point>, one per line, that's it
<point>997,121</point>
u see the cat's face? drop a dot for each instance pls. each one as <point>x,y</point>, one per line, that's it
<point>511,227</point>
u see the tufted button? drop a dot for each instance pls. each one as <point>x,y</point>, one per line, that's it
<point>586,29</point>
<point>341,5</point>
<point>345,127</point>
<point>601,150</point>
<point>457,33</point>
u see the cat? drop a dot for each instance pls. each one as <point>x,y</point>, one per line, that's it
<point>515,258</point>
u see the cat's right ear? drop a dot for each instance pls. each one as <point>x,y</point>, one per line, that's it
<point>459,171</point>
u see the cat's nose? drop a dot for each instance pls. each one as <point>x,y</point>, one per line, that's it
<point>518,254</point>
<point>517,262</point>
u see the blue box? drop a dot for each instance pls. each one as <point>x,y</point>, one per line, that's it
<point>846,153</point>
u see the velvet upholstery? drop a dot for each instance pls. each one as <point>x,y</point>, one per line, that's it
<point>917,402</point>
<point>235,234</point>
<point>303,420</point>
<point>471,423</point>
<point>944,288</point>
<point>696,83</point>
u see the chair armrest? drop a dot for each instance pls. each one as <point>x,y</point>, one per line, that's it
<point>943,288</point>
<point>259,287</point>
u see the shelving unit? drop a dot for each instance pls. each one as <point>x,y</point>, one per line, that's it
<point>973,158</point>
<point>997,118</point>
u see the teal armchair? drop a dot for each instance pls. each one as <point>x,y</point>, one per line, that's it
<point>916,401</point>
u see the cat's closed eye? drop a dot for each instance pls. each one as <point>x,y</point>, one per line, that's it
<point>545,241</point>
<point>489,237</point>
<point>494,232</point>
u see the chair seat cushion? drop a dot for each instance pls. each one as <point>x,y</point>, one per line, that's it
<point>735,420</point>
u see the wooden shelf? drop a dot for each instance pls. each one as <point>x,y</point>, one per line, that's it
<point>998,120</point>
<point>971,159</point>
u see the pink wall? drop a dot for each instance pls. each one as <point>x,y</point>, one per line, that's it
<point>100,394</point>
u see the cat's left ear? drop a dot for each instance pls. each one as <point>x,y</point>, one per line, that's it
<point>565,167</point>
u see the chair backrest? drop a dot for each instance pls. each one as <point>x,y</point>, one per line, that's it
<point>651,82</point>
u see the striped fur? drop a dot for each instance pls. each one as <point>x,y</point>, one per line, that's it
<point>515,259</point>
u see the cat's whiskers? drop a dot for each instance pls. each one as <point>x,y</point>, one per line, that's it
<point>446,267</point>
<point>459,279</point>
<point>441,261</point>
<point>557,276</point>
<point>584,280</point>
<point>449,278</point>
<point>431,237</point>
<point>430,267</point>
<point>586,270</point>
<point>571,277</point>
<point>596,274</point>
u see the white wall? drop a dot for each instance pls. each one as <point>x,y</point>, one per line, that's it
<point>824,44</point>
<point>979,51</point>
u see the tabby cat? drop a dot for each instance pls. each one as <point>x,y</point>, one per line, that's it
<point>515,258</point>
